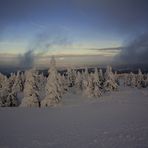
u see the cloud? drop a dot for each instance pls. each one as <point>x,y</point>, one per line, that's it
<point>135,51</point>
<point>26,60</point>
<point>42,43</point>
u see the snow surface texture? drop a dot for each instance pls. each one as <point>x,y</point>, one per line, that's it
<point>116,120</point>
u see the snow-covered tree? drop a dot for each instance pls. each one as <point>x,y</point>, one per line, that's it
<point>11,100</point>
<point>11,79</point>
<point>127,79</point>
<point>41,82</point>
<point>101,77</point>
<point>52,89</point>
<point>4,92</point>
<point>71,76</point>
<point>78,81</point>
<point>86,73</point>
<point>97,92</point>
<point>7,97</point>
<point>91,86</point>
<point>116,78</point>
<point>132,80</point>
<point>140,79</point>
<point>18,83</point>
<point>87,85</point>
<point>63,82</point>
<point>23,78</point>
<point>96,78</point>
<point>110,83</point>
<point>2,78</point>
<point>31,94</point>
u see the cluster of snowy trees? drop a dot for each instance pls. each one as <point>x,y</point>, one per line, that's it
<point>31,89</point>
<point>138,80</point>
<point>95,83</point>
<point>36,90</point>
<point>9,87</point>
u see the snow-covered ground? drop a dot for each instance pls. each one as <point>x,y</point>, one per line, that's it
<point>115,120</point>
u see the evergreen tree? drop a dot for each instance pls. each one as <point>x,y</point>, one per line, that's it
<point>78,81</point>
<point>2,78</point>
<point>41,82</point>
<point>52,88</point>
<point>91,86</point>
<point>4,92</point>
<point>11,79</point>
<point>96,78</point>
<point>18,83</point>
<point>140,79</point>
<point>97,92</point>
<point>71,76</point>
<point>116,78</point>
<point>88,86</point>
<point>146,80</point>
<point>132,80</point>
<point>101,77</point>
<point>110,83</point>
<point>63,83</point>
<point>31,94</point>
<point>11,100</point>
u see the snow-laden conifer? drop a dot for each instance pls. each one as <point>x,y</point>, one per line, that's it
<point>71,76</point>
<point>132,79</point>
<point>101,77</point>
<point>18,83</point>
<point>78,81</point>
<point>88,87</point>
<point>140,79</point>
<point>110,83</point>
<point>52,88</point>
<point>4,91</point>
<point>31,94</point>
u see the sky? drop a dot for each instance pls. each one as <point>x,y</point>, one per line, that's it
<point>75,31</point>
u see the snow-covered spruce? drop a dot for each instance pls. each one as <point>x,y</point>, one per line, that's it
<point>87,86</point>
<point>4,90</point>
<point>135,80</point>
<point>97,83</point>
<point>7,98</point>
<point>78,82</point>
<point>18,83</point>
<point>31,95</point>
<point>97,92</point>
<point>53,88</point>
<point>63,83</point>
<point>97,78</point>
<point>139,79</point>
<point>2,78</point>
<point>132,79</point>
<point>12,80</point>
<point>71,76</point>
<point>11,100</point>
<point>41,82</point>
<point>110,83</point>
<point>101,77</point>
<point>91,84</point>
<point>116,76</point>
